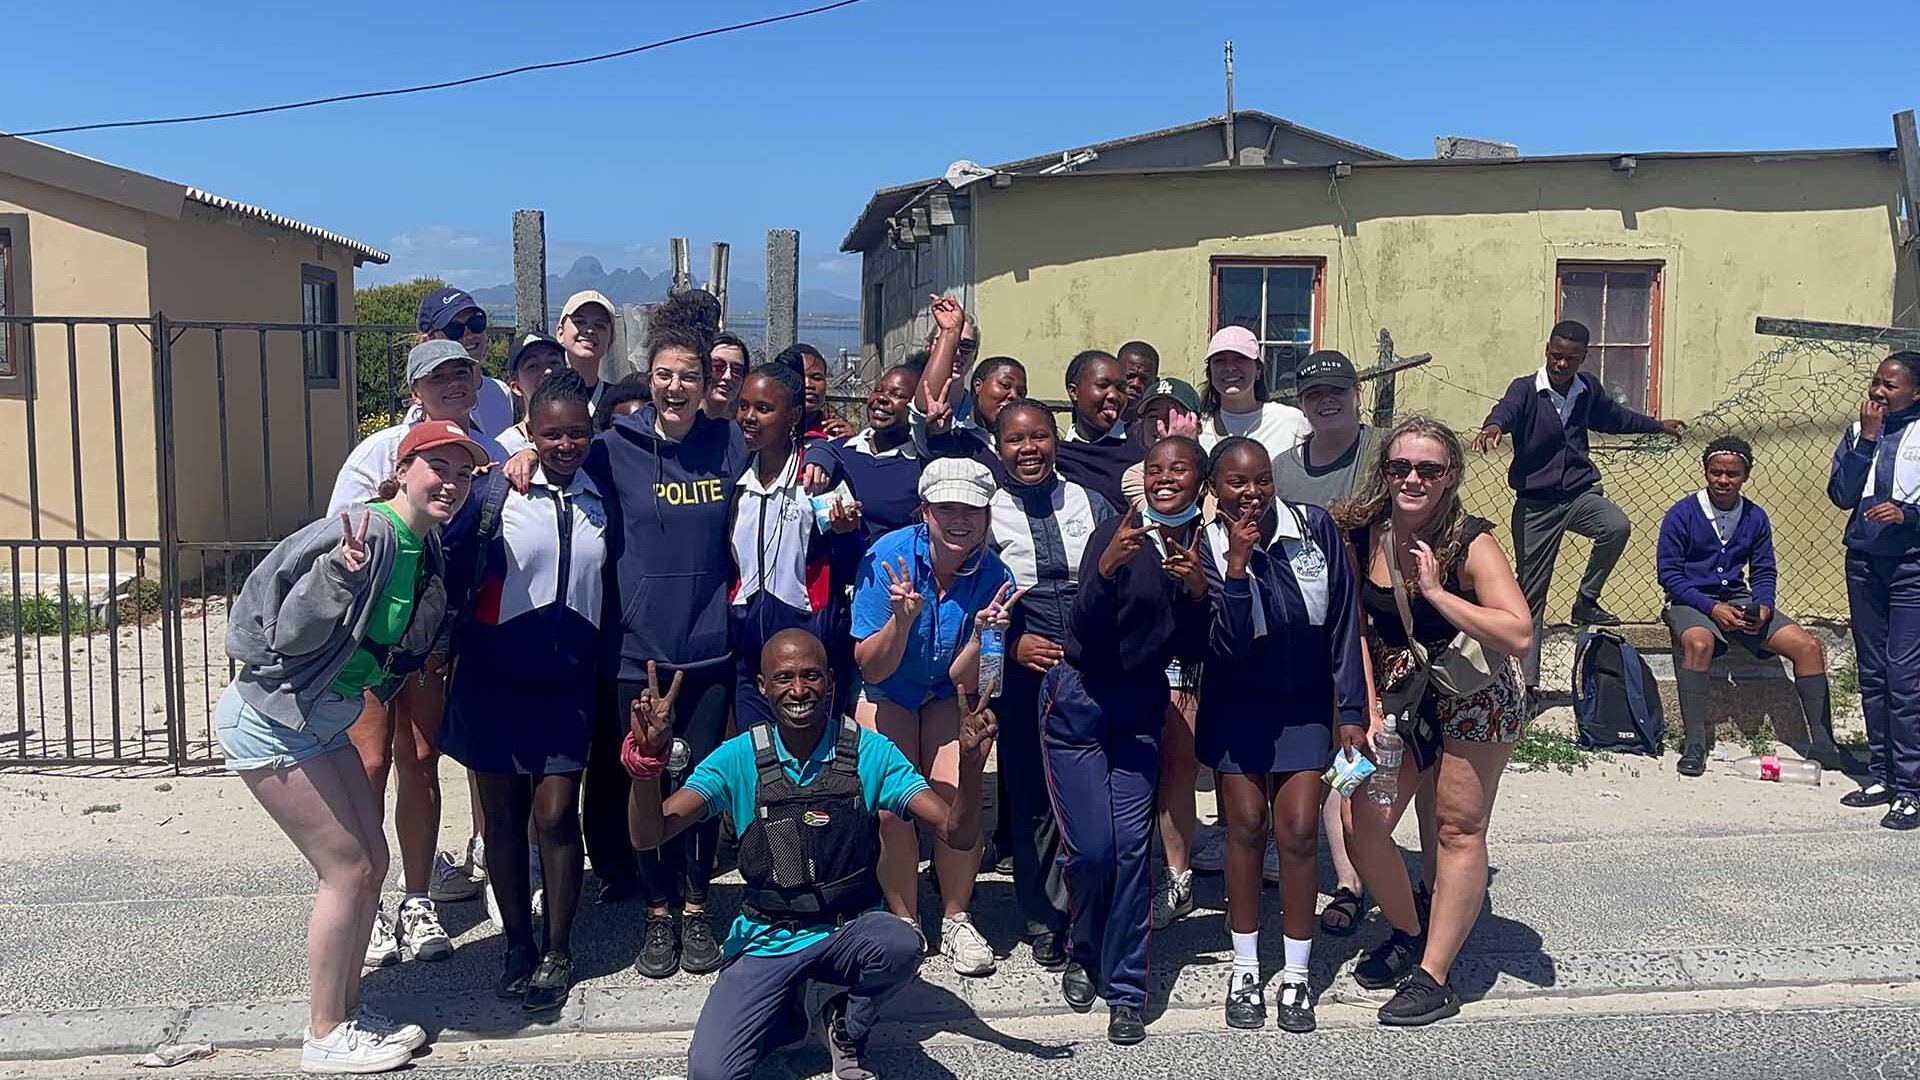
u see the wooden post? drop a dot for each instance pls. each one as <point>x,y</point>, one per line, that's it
<point>717,278</point>
<point>682,267</point>
<point>783,289</point>
<point>1906,141</point>
<point>529,270</point>
<point>1889,337</point>
<point>1383,386</point>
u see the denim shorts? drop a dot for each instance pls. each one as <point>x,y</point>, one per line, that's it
<point>252,740</point>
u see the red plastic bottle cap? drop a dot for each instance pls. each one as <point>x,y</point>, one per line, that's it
<point>1770,767</point>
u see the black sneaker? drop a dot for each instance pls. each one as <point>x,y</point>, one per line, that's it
<point>1296,1008</point>
<point>1077,987</point>
<point>659,949</point>
<point>514,974</point>
<point>1124,1026</point>
<point>1050,951</point>
<point>1693,762</point>
<point>1903,815</point>
<point>1391,962</point>
<point>548,988</point>
<point>1874,794</point>
<point>1246,1002</point>
<point>1588,613</point>
<point>699,952</point>
<point>1420,1001</point>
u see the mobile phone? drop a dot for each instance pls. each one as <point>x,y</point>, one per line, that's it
<point>1752,613</point>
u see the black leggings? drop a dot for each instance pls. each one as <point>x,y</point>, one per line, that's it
<point>552,803</point>
<point>680,870</point>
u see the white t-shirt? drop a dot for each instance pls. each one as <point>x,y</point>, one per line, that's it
<point>1276,426</point>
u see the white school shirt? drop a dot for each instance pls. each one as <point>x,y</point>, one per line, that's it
<point>530,526</point>
<point>1906,466</point>
<point>1724,522</point>
<point>772,525</point>
<point>1561,405</point>
<point>1302,554</point>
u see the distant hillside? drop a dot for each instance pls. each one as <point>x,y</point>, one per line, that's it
<point>635,286</point>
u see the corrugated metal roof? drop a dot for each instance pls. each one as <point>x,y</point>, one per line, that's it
<point>366,254</point>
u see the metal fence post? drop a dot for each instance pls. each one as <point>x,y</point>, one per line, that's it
<point>172,680</point>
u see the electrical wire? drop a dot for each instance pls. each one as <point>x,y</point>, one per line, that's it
<point>469,81</point>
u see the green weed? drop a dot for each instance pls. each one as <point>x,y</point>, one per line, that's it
<point>1543,749</point>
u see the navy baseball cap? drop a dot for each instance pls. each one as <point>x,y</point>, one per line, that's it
<point>533,340</point>
<point>1325,368</point>
<point>441,306</point>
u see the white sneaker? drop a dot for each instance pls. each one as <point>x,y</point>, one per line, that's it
<point>537,877</point>
<point>961,943</point>
<point>454,881</point>
<point>1208,852</point>
<point>420,931</point>
<point>382,949</point>
<point>387,1029</point>
<point>493,909</point>
<point>1270,865</point>
<point>1173,900</point>
<point>350,1049</point>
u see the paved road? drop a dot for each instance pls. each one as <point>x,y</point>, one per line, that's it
<point>1732,1042</point>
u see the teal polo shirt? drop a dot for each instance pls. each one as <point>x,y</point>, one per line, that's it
<point>729,784</point>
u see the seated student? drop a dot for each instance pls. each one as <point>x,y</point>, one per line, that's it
<point>1709,543</point>
<point>821,919</point>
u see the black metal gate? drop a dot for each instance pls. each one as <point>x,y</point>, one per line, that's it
<point>155,462</point>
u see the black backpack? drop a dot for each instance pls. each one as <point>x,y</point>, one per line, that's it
<point>1616,702</point>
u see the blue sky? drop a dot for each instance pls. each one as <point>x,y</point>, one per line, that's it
<point>795,125</point>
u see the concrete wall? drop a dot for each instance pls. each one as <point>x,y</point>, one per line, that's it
<point>214,266</point>
<point>1459,260</point>
<point>906,278</point>
<point>82,256</point>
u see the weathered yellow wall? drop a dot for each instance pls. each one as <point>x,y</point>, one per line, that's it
<point>212,266</point>
<point>1459,261</point>
<point>86,258</point>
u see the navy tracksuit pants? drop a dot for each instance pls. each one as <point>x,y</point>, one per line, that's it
<point>1103,762</point>
<point>751,625</point>
<point>1883,594</point>
<point>1033,835</point>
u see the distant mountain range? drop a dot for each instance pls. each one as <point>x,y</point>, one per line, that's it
<point>635,286</point>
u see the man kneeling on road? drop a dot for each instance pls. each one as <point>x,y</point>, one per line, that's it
<point>806,797</point>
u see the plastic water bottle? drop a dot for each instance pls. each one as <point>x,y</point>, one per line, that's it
<point>993,660</point>
<point>678,757</point>
<point>1384,785</point>
<point>1782,770</point>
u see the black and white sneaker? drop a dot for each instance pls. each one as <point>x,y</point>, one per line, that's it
<point>1903,815</point>
<point>1420,1001</point>
<point>1296,1008</point>
<point>1874,794</point>
<point>1391,962</point>
<point>1246,1002</point>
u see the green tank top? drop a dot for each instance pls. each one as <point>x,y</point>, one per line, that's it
<point>392,611</point>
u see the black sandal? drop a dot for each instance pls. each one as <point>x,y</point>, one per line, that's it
<point>1345,902</point>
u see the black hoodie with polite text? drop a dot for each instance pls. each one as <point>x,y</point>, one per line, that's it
<point>667,540</point>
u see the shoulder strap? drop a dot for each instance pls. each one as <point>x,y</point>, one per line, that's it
<point>1399,584</point>
<point>1642,717</point>
<point>765,757</point>
<point>846,756</point>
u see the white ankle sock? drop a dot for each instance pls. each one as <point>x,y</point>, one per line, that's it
<point>1246,953</point>
<point>1299,955</point>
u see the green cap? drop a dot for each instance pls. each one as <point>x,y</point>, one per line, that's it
<point>1181,391</point>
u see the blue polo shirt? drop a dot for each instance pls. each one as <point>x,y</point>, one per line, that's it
<point>729,784</point>
<point>942,627</point>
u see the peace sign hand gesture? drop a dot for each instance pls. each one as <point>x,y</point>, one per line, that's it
<point>902,596</point>
<point>353,545</point>
<point>1125,544</point>
<point>1184,565</point>
<point>939,409</point>
<point>651,714</point>
<point>978,727</point>
<point>997,613</point>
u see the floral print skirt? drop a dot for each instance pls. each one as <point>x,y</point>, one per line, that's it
<point>1496,713</point>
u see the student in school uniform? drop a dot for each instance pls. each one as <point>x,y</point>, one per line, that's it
<point>1094,450</point>
<point>1876,475</point>
<point>529,574</point>
<point>1715,561</point>
<point>880,466</point>
<point>1140,368</point>
<point>1284,670</point>
<point>1142,602</point>
<point>1041,526</point>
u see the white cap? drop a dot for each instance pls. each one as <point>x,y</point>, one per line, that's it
<point>956,480</point>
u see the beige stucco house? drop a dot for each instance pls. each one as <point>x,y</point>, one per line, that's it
<point>1316,243</point>
<point>83,239</point>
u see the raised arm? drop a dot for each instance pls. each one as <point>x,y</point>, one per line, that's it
<point>649,739</point>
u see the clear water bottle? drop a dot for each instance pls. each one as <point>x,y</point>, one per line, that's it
<point>993,660</point>
<point>678,757</point>
<point>1384,785</point>
<point>1782,770</point>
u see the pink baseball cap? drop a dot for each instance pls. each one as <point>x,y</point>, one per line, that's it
<point>1237,340</point>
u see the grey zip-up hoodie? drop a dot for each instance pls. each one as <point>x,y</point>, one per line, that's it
<point>301,615</point>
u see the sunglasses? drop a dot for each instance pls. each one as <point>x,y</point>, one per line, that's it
<point>1401,468</point>
<point>967,347</point>
<point>457,329</point>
